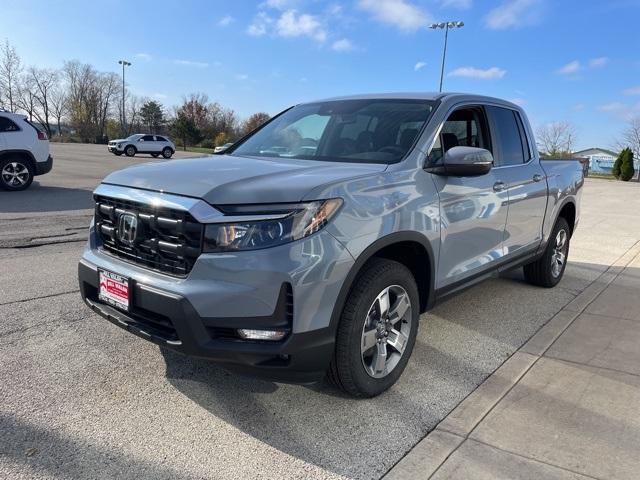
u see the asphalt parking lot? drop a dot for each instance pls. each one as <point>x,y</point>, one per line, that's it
<point>80,398</point>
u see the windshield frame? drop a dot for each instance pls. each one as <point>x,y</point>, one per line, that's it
<point>433,102</point>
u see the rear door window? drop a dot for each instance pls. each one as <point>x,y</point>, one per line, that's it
<point>160,139</point>
<point>510,149</point>
<point>148,138</point>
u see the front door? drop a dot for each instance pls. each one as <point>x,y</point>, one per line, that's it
<point>473,210</point>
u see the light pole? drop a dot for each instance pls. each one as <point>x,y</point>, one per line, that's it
<point>124,63</point>
<point>446,26</point>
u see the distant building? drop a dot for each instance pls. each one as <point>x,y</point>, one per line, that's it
<point>601,160</point>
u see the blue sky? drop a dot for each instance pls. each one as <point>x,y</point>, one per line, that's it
<point>562,60</point>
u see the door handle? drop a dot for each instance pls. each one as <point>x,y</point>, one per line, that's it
<point>498,186</point>
<point>537,177</point>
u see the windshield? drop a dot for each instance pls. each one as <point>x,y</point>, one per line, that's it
<point>134,137</point>
<point>362,131</point>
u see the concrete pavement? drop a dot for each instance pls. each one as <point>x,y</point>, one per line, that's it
<point>566,405</point>
<point>80,398</point>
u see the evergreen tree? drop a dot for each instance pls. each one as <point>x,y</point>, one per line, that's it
<point>626,169</point>
<point>617,165</point>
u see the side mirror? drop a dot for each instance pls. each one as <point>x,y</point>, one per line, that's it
<point>141,140</point>
<point>464,162</point>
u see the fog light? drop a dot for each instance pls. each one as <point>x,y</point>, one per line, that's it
<point>272,335</point>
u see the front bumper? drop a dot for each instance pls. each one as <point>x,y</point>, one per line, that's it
<point>170,320</point>
<point>113,148</point>
<point>44,167</point>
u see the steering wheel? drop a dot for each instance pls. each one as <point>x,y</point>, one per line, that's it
<point>391,149</point>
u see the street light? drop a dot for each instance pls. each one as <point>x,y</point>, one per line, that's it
<point>446,26</point>
<point>124,63</point>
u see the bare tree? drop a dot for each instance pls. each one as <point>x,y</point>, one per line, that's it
<point>90,99</point>
<point>556,139</point>
<point>58,99</point>
<point>42,82</point>
<point>25,98</point>
<point>10,70</point>
<point>631,137</point>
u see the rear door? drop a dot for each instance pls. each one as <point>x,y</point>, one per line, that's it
<point>473,210</point>
<point>160,143</point>
<point>517,166</point>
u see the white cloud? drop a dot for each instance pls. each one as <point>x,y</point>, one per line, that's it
<point>398,13</point>
<point>191,63</point>
<point>598,62</point>
<point>419,66</point>
<point>160,96</point>
<point>259,25</point>
<point>292,24</point>
<point>459,4</point>
<point>478,73</point>
<point>514,14</point>
<point>342,45</point>
<point>242,76</point>
<point>144,56</point>
<point>226,21</point>
<point>621,110</point>
<point>632,91</point>
<point>570,68</point>
<point>518,101</point>
<point>279,4</point>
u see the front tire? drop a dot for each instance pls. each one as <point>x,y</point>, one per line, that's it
<point>377,329</point>
<point>548,270</point>
<point>167,152</point>
<point>15,174</point>
<point>130,151</point>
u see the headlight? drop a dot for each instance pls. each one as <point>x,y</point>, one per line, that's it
<point>271,227</point>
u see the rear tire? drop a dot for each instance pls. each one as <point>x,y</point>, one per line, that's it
<point>167,152</point>
<point>548,270</point>
<point>130,151</point>
<point>15,174</point>
<point>373,348</point>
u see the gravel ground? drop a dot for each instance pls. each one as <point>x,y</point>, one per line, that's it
<point>81,398</point>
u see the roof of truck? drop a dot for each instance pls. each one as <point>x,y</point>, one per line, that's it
<point>417,96</point>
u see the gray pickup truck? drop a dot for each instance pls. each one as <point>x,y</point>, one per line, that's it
<point>313,245</point>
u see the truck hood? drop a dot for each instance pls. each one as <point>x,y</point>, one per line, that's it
<point>227,179</point>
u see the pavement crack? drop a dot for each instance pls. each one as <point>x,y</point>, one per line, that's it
<point>38,298</point>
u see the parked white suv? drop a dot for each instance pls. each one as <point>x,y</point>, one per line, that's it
<point>24,151</point>
<point>155,145</point>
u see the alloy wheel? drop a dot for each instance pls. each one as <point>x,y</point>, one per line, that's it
<point>15,174</point>
<point>559,256</point>
<point>386,331</point>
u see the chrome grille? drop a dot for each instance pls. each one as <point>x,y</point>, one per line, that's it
<point>170,241</point>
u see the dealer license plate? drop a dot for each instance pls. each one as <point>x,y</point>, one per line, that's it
<point>114,289</point>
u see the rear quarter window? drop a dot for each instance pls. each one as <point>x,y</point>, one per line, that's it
<point>7,125</point>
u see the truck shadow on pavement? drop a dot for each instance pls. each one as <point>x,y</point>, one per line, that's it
<point>38,198</point>
<point>459,344</point>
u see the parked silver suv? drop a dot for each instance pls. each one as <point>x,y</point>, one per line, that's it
<point>313,246</point>
<point>154,145</point>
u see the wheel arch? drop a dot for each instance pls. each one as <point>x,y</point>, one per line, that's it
<point>24,154</point>
<point>568,212</point>
<point>412,249</point>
